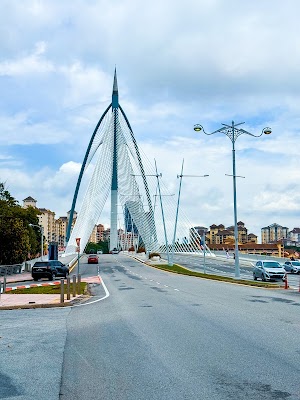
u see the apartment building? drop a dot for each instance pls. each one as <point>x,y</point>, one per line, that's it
<point>274,233</point>
<point>293,238</point>
<point>220,235</point>
<point>54,229</point>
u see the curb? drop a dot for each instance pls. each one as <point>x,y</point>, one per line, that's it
<point>47,305</point>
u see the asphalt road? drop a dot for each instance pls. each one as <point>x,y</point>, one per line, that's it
<point>213,265</point>
<point>163,336</point>
<point>153,335</point>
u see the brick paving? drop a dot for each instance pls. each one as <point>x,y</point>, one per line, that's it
<point>14,300</point>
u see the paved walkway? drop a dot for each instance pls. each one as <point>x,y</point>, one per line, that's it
<point>8,300</point>
<point>13,300</point>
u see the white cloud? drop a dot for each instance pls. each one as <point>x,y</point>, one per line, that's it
<point>208,61</point>
<point>28,64</point>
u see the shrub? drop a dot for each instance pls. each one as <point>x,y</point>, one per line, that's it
<point>141,250</point>
<point>154,255</point>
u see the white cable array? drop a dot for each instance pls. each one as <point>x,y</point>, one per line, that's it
<point>141,201</point>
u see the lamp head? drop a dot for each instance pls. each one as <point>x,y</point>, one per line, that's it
<point>198,128</point>
<point>267,131</point>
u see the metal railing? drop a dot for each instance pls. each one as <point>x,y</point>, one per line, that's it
<point>10,269</point>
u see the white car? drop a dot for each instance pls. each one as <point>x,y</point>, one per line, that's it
<point>292,266</point>
<point>269,271</point>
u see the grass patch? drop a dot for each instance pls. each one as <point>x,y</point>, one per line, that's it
<point>184,271</point>
<point>51,289</point>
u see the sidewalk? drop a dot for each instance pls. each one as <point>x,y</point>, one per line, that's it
<point>15,300</point>
<point>10,300</point>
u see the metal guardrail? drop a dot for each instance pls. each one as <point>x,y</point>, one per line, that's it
<point>10,269</point>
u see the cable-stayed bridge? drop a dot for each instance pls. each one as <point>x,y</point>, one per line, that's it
<point>123,175</point>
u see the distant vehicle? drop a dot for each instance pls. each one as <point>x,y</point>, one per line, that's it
<point>93,259</point>
<point>115,251</point>
<point>49,269</point>
<point>99,252</point>
<point>292,266</point>
<point>269,271</point>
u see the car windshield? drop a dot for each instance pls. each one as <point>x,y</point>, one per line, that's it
<point>41,264</point>
<point>270,264</point>
<point>296,263</point>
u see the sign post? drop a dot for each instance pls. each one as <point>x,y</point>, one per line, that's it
<point>78,253</point>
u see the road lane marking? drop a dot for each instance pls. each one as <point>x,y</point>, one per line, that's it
<point>95,301</point>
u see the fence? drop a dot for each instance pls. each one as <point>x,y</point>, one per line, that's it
<point>10,269</point>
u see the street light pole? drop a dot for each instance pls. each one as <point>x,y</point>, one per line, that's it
<point>204,249</point>
<point>233,133</point>
<point>163,217</point>
<point>178,202</point>
<point>42,238</point>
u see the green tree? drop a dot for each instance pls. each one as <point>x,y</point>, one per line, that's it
<point>17,238</point>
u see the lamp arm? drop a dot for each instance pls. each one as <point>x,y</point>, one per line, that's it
<point>264,130</point>
<point>217,131</point>
<point>250,134</point>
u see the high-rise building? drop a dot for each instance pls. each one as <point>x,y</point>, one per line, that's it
<point>274,233</point>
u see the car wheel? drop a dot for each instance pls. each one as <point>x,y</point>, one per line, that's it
<point>52,277</point>
<point>298,272</point>
<point>35,278</point>
<point>254,277</point>
<point>263,278</point>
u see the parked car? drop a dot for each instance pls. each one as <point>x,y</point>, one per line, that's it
<point>292,266</point>
<point>49,269</point>
<point>268,271</point>
<point>93,259</point>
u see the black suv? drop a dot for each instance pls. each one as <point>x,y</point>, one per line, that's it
<point>49,269</point>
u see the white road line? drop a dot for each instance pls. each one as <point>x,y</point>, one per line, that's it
<point>95,301</point>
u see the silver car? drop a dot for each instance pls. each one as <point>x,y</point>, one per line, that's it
<point>292,266</point>
<point>269,271</point>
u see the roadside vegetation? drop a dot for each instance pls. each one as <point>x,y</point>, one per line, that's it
<point>18,240</point>
<point>183,271</point>
<point>51,289</point>
<point>92,248</point>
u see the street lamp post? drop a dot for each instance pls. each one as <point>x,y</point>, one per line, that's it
<point>233,133</point>
<point>204,249</point>
<point>42,238</point>
<point>178,202</point>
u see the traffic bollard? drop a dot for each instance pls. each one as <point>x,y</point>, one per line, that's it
<point>4,284</point>
<point>68,288</point>
<point>74,285</point>
<point>79,284</point>
<point>286,285</point>
<point>62,290</point>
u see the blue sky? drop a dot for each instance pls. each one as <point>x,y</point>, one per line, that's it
<point>179,63</point>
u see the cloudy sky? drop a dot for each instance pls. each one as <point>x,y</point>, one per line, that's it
<point>179,63</point>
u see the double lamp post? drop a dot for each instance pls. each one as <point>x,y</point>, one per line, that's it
<point>233,133</point>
